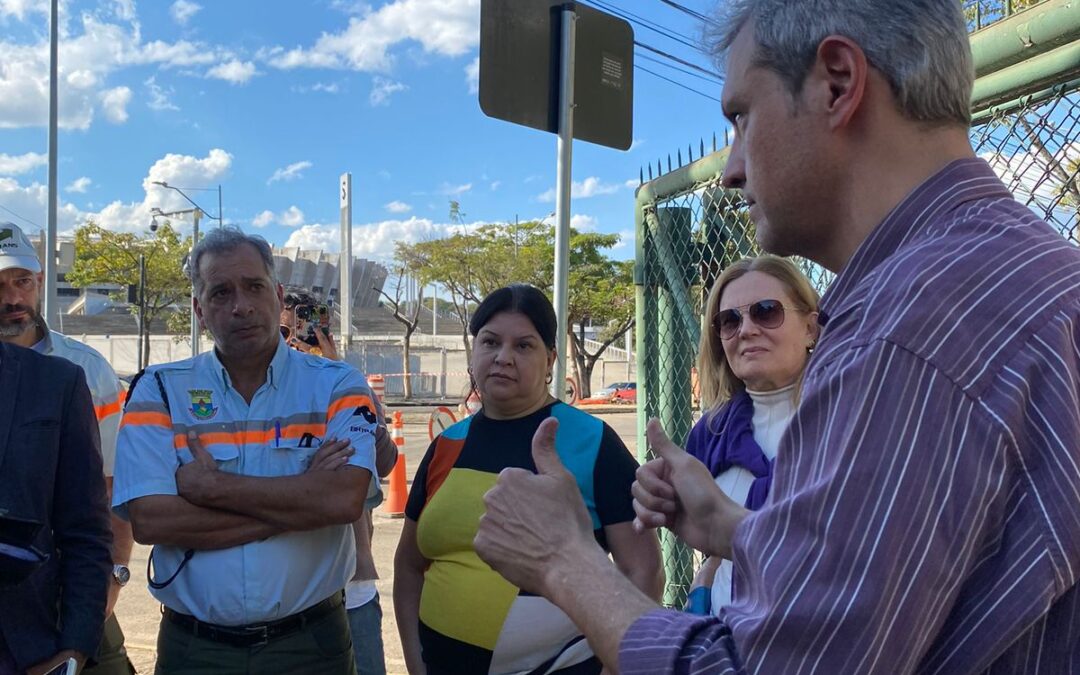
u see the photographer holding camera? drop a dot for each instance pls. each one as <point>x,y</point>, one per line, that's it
<point>304,329</point>
<point>305,324</point>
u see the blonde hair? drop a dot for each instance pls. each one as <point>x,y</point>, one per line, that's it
<point>718,382</point>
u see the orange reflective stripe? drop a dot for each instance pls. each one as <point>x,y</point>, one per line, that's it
<point>353,401</point>
<point>103,411</point>
<point>252,437</point>
<point>155,419</point>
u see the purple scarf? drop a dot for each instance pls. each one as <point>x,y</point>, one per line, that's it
<point>725,439</point>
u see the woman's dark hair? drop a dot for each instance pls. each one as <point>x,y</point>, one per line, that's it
<point>521,298</point>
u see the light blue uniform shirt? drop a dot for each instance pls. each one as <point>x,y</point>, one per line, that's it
<point>304,400</point>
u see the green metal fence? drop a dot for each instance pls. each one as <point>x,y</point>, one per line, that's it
<point>689,228</point>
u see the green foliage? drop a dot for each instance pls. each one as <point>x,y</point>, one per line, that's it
<point>104,256</point>
<point>469,265</point>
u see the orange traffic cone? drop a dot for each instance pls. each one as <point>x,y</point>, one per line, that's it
<point>399,491</point>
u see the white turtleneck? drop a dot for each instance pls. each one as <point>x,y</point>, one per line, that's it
<point>773,411</point>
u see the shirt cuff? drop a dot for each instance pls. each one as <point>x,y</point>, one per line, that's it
<point>661,640</point>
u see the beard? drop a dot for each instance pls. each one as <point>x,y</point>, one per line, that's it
<point>15,328</point>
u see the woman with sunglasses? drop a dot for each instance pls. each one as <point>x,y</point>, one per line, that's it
<point>762,325</point>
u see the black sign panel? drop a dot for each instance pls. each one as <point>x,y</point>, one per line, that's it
<point>519,69</point>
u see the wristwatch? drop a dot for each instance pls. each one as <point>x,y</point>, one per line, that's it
<point>122,574</point>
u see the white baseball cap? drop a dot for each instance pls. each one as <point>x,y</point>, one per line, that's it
<point>16,250</point>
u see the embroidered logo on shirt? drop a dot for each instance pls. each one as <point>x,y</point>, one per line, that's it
<point>202,406</point>
<point>365,412</point>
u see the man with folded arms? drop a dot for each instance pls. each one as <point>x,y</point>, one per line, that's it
<point>245,467</point>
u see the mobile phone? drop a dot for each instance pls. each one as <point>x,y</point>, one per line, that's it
<point>69,667</point>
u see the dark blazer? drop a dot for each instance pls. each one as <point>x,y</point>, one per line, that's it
<point>50,471</point>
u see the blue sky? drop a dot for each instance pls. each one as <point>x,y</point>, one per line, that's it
<point>273,100</point>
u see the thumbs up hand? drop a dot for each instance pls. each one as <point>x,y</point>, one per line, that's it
<point>534,521</point>
<point>676,491</point>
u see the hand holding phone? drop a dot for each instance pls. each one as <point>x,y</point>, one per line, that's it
<point>68,667</point>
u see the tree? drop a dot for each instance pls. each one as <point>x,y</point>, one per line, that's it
<point>104,256</point>
<point>981,13</point>
<point>408,316</point>
<point>471,265</point>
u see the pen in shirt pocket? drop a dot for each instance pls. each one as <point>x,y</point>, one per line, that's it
<point>277,433</point>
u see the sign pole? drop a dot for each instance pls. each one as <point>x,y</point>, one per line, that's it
<point>563,177</point>
<point>345,263</point>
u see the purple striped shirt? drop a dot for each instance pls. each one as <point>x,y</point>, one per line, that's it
<point>925,513</point>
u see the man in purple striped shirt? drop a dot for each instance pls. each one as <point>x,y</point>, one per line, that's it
<point>925,513</point>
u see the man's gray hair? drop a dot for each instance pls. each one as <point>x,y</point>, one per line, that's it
<point>225,240</point>
<point>920,46</point>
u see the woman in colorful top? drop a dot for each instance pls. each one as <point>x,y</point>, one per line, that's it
<point>762,325</point>
<point>454,613</point>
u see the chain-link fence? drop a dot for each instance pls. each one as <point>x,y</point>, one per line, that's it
<point>689,228</point>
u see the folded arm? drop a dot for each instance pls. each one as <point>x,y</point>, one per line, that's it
<point>171,520</point>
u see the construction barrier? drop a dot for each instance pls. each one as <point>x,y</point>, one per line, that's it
<point>378,386</point>
<point>399,490</point>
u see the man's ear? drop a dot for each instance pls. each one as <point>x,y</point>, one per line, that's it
<point>838,79</point>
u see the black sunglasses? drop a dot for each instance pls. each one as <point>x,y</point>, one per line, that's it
<point>765,313</point>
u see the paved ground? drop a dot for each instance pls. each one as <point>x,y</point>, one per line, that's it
<point>139,613</point>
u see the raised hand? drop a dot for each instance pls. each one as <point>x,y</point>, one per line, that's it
<point>676,491</point>
<point>534,519</point>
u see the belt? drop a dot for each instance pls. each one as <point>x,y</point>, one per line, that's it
<point>256,634</point>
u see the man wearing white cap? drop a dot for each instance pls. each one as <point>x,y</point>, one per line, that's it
<point>21,324</point>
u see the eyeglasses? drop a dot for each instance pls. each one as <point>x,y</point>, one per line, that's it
<point>764,313</point>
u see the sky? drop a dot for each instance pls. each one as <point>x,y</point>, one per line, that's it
<point>273,100</point>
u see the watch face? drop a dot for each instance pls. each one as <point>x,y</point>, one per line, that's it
<point>122,574</point>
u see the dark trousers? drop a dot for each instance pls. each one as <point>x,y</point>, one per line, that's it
<point>112,658</point>
<point>323,647</point>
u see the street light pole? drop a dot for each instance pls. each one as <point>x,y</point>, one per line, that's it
<point>196,217</point>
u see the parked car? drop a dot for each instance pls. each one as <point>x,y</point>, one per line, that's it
<point>620,392</point>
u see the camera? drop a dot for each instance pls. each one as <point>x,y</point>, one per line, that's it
<point>310,318</point>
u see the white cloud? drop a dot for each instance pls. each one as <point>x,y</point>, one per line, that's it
<point>454,190</point>
<point>495,185</point>
<point>440,27</point>
<point>382,89</point>
<point>635,144</point>
<point>98,48</point>
<point>398,207</point>
<point>233,72</point>
<point>291,172</point>
<point>124,9</point>
<point>11,165</point>
<point>626,239</point>
<point>80,185</point>
<point>157,97</point>
<point>590,187</point>
<point>174,169</point>
<point>583,223</point>
<point>183,10</point>
<point>632,184</point>
<point>19,8</point>
<point>472,75</point>
<point>263,219</point>
<point>291,217</point>
<point>30,201</point>
<point>114,104</point>
<point>374,241</point>
<point>331,88</point>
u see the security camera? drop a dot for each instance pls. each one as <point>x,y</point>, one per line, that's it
<point>153,225</point>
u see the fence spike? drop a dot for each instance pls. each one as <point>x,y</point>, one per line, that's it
<point>669,162</point>
<point>690,151</point>
<point>641,176</point>
<point>678,155</point>
<point>714,141</point>
<point>726,141</point>
<point>650,170</point>
<point>702,148</point>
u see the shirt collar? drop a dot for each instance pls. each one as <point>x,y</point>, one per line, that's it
<point>275,372</point>
<point>45,344</point>
<point>961,181</point>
